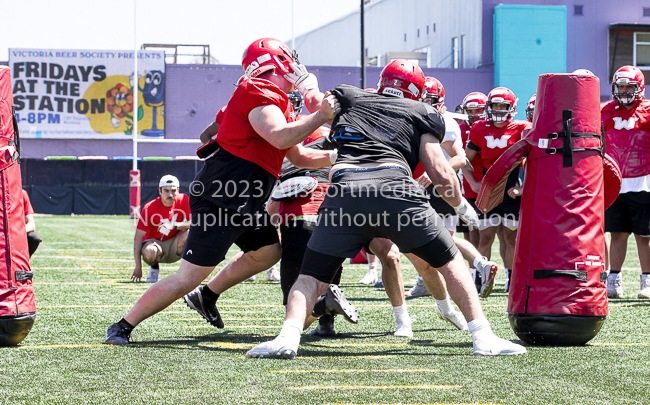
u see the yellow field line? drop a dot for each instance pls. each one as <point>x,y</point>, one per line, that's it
<point>411,343</point>
<point>227,345</point>
<point>618,344</point>
<point>355,344</point>
<point>103,259</point>
<point>398,370</point>
<point>375,387</point>
<point>69,283</point>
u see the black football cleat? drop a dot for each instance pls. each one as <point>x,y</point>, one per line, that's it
<point>325,326</point>
<point>118,334</point>
<point>336,303</point>
<point>208,310</point>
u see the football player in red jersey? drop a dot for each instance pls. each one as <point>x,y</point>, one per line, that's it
<point>452,146</point>
<point>626,120</point>
<point>490,138</point>
<point>474,106</point>
<point>256,133</point>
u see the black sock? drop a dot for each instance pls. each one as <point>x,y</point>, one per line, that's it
<point>614,271</point>
<point>124,322</point>
<point>207,293</point>
<point>155,266</point>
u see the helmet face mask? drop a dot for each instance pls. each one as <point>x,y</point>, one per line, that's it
<point>401,78</point>
<point>434,93</point>
<point>297,101</point>
<point>530,108</point>
<point>628,85</point>
<point>476,102</point>
<point>501,105</point>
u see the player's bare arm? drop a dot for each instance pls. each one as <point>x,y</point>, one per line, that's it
<point>137,254</point>
<point>308,158</point>
<point>269,122</point>
<point>209,132</point>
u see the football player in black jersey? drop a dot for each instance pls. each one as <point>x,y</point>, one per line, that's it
<point>381,138</point>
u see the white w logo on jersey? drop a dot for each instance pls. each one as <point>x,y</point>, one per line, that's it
<point>500,143</point>
<point>624,124</point>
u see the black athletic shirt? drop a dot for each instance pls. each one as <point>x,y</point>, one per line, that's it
<point>384,129</point>
<point>322,175</point>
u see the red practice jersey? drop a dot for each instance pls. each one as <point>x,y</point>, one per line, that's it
<point>491,141</point>
<point>237,136</point>
<point>477,162</point>
<point>219,118</point>
<point>627,135</point>
<point>27,205</point>
<point>155,214</point>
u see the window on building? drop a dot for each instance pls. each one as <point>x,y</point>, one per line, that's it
<point>462,51</point>
<point>577,10</point>
<point>455,53</point>
<point>646,11</point>
<point>641,50</point>
<point>434,27</point>
<point>418,33</point>
<point>427,30</point>
<point>629,44</point>
<point>404,37</point>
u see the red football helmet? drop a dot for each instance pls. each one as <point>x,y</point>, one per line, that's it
<point>401,78</point>
<point>628,75</point>
<point>530,107</point>
<point>434,92</point>
<point>475,99</point>
<point>501,95</point>
<point>266,54</point>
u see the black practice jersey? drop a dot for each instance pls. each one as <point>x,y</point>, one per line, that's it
<point>322,175</point>
<point>375,128</point>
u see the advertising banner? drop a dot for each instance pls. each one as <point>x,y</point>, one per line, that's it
<point>87,94</point>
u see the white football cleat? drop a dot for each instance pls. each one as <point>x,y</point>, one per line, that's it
<point>455,318</point>
<point>419,289</point>
<point>488,272</point>
<point>495,346</point>
<point>273,274</point>
<point>370,277</point>
<point>614,285</point>
<point>152,277</point>
<point>274,349</point>
<point>404,329</point>
<point>645,287</point>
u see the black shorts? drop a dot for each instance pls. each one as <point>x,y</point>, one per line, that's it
<point>295,235</point>
<point>630,213</point>
<point>438,204</point>
<point>214,230</point>
<point>361,206</point>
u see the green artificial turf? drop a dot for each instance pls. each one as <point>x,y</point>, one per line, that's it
<point>82,283</point>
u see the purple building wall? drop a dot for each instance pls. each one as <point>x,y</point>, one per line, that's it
<point>587,34</point>
<point>194,94</point>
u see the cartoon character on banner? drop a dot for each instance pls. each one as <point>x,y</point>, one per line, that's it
<point>153,94</point>
<point>119,100</point>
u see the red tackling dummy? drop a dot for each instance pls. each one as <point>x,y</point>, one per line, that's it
<point>17,306</point>
<point>558,293</point>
